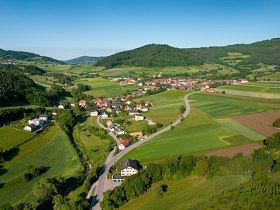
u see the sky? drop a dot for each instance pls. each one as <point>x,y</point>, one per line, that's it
<point>65,29</point>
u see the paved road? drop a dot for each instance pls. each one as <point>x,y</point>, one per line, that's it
<point>102,182</point>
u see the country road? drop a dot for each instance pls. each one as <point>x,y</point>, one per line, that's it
<point>101,184</point>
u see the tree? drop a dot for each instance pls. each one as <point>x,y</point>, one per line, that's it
<point>276,123</point>
<point>201,167</point>
<point>66,119</point>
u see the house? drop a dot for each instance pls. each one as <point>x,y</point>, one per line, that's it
<point>109,110</point>
<point>211,90</point>
<point>61,106</point>
<point>72,104</point>
<point>109,123</point>
<point>82,103</point>
<point>137,134</point>
<point>138,107</point>
<point>117,178</point>
<point>123,143</point>
<point>37,122</point>
<point>118,110</point>
<point>104,116</point>
<point>100,102</point>
<point>54,113</point>
<point>144,109</point>
<point>132,112</point>
<point>127,108</point>
<point>139,117</point>
<point>148,103</point>
<point>30,127</point>
<point>120,131</point>
<point>93,113</point>
<point>43,117</point>
<point>129,167</point>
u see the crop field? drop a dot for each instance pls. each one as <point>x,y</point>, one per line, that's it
<point>184,193</point>
<point>104,88</point>
<point>225,105</point>
<point>196,133</point>
<point>256,87</point>
<point>51,149</point>
<point>10,137</point>
<point>166,107</point>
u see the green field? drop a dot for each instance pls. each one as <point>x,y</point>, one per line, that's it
<point>226,105</point>
<point>184,193</point>
<point>52,149</point>
<point>166,107</point>
<point>10,137</point>
<point>96,147</point>
<point>197,133</point>
<point>256,87</point>
<point>103,87</point>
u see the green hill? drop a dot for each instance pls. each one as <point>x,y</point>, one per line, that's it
<point>153,55</point>
<point>26,56</point>
<point>83,60</point>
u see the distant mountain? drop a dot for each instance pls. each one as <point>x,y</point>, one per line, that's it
<point>83,60</point>
<point>25,56</point>
<point>153,55</point>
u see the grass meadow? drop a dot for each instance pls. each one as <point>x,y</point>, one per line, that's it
<point>184,193</point>
<point>10,137</point>
<point>51,149</point>
<point>226,105</point>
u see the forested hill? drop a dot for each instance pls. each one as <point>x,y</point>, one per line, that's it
<point>267,52</point>
<point>26,56</point>
<point>83,60</point>
<point>151,55</point>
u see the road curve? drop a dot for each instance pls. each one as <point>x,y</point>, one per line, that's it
<point>111,160</point>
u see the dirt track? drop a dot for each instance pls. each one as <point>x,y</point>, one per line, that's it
<point>260,122</point>
<point>230,152</point>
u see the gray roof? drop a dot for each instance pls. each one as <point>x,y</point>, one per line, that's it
<point>117,176</point>
<point>128,162</point>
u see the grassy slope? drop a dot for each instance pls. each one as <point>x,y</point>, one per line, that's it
<point>51,149</point>
<point>225,105</point>
<point>97,147</point>
<point>103,87</point>
<point>184,193</point>
<point>11,137</point>
<point>166,106</point>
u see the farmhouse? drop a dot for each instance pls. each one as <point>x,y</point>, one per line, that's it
<point>93,113</point>
<point>123,144</point>
<point>43,117</point>
<point>82,103</point>
<point>129,167</point>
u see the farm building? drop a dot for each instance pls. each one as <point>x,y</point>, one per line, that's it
<point>129,167</point>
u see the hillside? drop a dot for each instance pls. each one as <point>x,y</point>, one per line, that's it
<point>151,55</point>
<point>267,52</point>
<point>83,60</point>
<point>25,56</point>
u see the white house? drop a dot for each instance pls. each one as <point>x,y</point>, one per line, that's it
<point>129,167</point>
<point>61,106</point>
<point>30,128</point>
<point>104,116</point>
<point>144,109</point>
<point>93,113</point>
<point>139,117</point>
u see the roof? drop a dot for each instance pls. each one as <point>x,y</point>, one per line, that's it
<point>129,163</point>
<point>117,176</point>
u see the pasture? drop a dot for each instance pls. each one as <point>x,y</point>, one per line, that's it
<point>10,137</point>
<point>104,88</point>
<point>166,107</point>
<point>184,193</point>
<point>51,149</point>
<point>96,147</point>
<point>226,105</point>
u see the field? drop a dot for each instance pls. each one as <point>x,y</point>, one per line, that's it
<point>196,134</point>
<point>166,107</point>
<point>103,87</point>
<point>51,149</point>
<point>10,137</point>
<point>225,105</point>
<point>184,193</point>
<point>260,122</point>
<point>96,147</point>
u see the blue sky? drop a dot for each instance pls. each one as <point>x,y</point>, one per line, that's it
<point>69,28</point>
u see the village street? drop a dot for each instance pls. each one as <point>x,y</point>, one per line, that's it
<point>103,184</point>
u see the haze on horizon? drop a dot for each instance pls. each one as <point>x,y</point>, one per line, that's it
<point>67,28</point>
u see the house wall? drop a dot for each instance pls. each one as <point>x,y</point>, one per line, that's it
<point>128,171</point>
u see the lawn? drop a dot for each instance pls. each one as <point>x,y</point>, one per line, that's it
<point>52,149</point>
<point>10,137</point>
<point>104,88</point>
<point>184,193</point>
<point>166,107</point>
<point>227,105</point>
